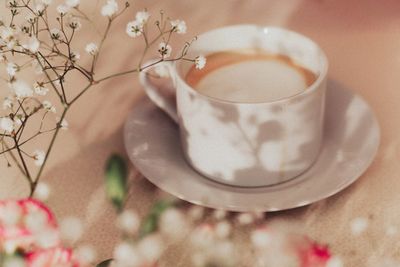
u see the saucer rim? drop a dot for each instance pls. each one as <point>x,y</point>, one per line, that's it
<point>262,189</point>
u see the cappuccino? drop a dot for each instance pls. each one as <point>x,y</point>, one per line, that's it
<point>249,76</point>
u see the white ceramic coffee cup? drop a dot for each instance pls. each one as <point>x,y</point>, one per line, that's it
<point>248,144</point>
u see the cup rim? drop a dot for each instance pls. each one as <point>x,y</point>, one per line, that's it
<point>309,90</point>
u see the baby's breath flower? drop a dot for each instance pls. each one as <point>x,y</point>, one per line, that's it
<point>195,212</point>
<point>6,125</point>
<point>47,105</point>
<point>134,28</point>
<point>39,8</point>
<point>42,191</point>
<point>32,45</point>
<point>109,9</point>
<point>40,89</point>
<point>55,33</point>
<point>164,50</point>
<point>11,45</point>
<point>25,28</point>
<point>220,214</point>
<point>151,247</point>
<point>85,254</point>
<point>128,221</point>
<point>30,18</point>
<point>6,33</point>
<point>173,224</point>
<point>37,67</point>
<point>200,62</point>
<point>91,49</point>
<point>126,254</point>
<point>142,16</point>
<point>63,9</point>
<point>358,225</point>
<point>21,88</point>
<point>71,228</point>
<point>245,218</point>
<point>19,119</point>
<point>64,124</point>
<point>223,229</point>
<point>74,23</point>
<point>75,56</point>
<point>12,68</point>
<point>39,157</point>
<point>47,2</point>
<point>261,238</point>
<point>11,3</point>
<point>179,26</point>
<point>8,102</point>
<point>72,3</point>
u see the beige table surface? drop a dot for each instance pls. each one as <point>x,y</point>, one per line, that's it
<point>362,42</point>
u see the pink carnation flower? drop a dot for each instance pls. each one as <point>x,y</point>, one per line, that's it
<point>313,254</point>
<point>26,225</point>
<point>59,257</point>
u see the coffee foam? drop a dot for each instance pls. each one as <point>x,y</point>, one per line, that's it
<point>249,76</point>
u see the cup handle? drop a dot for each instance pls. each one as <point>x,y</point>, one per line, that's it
<point>167,104</point>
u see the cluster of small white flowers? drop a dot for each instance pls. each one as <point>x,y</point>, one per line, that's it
<point>75,56</point>
<point>144,253</point>
<point>74,23</point>
<point>6,125</point>
<point>72,3</point>
<point>40,89</point>
<point>12,69</point>
<point>165,50</point>
<point>135,28</point>
<point>173,224</point>
<point>39,156</point>
<point>211,245</point>
<point>46,2</point>
<point>63,9</point>
<point>178,26</point>
<point>110,8</point>
<point>49,106</point>
<point>32,45</point>
<point>71,229</point>
<point>40,8</point>
<point>200,62</point>
<point>86,255</point>
<point>8,102</point>
<point>91,48</point>
<point>358,225</point>
<point>55,34</point>
<point>64,124</point>
<point>129,222</point>
<point>142,17</point>
<point>42,191</point>
<point>21,88</point>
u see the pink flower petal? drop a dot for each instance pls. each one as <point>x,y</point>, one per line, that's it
<point>18,232</point>
<point>313,254</point>
<point>59,257</point>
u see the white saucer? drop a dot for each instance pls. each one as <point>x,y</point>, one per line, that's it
<point>350,143</point>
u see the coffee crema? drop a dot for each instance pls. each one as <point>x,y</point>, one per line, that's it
<point>250,76</point>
